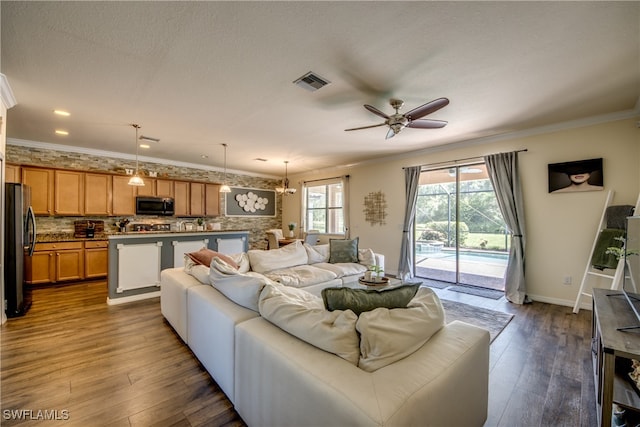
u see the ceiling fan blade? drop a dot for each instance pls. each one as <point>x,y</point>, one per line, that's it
<point>427,124</point>
<point>375,111</point>
<point>427,108</point>
<point>366,127</point>
<point>390,134</point>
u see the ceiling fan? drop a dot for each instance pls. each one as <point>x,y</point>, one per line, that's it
<point>412,119</point>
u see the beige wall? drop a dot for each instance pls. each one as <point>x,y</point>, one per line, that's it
<point>560,227</point>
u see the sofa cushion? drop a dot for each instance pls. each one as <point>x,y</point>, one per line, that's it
<point>242,261</point>
<point>205,255</point>
<point>342,269</point>
<point>275,259</point>
<point>343,250</point>
<point>199,271</point>
<point>388,335</point>
<point>366,257</point>
<point>301,276</point>
<point>361,300</point>
<point>317,253</point>
<point>242,288</point>
<point>303,315</point>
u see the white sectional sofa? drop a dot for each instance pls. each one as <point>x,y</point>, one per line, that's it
<point>278,378</point>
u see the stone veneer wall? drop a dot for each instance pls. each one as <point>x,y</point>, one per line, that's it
<point>89,163</point>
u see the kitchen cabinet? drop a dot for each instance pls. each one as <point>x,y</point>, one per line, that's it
<point>182,201</point>
<point>12,173</point>
<point>96,259</point>
<point>124,196</point>
<point>196,199</point>
<point>68,193</point>
<point>41,182</point>
<point>55,262</point>
<point>164,188</point>
<point>97,194</point>
<point>212,200</point>
<point>148,189</point>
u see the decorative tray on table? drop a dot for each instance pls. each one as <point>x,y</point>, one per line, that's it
<point>384,281</point>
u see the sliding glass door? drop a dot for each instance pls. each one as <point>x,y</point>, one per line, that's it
<point>460,236</point>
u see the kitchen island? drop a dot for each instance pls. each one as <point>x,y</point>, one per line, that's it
<point>136,259</point>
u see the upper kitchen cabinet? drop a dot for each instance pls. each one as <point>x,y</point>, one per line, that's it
<point>196,205</point>
<point>97,194</point>
<point>164,188</point>
<point>181,195</point>
<point>12,173</point>
<point>69,193</point>
<point>148,189</point>
<point>124,196</point>
<point>212,200</point>
<point>41,183</point>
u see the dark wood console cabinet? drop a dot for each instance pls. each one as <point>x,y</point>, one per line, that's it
<point>612,351</point>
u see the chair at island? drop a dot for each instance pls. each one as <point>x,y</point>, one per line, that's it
<point>273,238</point>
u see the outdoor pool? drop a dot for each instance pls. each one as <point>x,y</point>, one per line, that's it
<point>466,255</point>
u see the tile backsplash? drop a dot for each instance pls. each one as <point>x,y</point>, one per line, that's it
<point>79,161</point>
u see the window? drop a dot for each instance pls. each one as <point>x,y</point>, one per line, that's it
<point>325,206</point>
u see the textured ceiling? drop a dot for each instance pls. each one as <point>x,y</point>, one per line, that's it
<point>199,74</point>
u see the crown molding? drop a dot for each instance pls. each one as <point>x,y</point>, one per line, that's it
<point>125,156</point>
<point>6,94</point>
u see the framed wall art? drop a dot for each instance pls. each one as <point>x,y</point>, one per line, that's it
<point>250,202</point>
<point>581,175</point>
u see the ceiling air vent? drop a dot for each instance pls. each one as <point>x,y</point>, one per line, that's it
<point>311,81</point>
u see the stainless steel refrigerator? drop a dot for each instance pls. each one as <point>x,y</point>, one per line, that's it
<point>19,242</point>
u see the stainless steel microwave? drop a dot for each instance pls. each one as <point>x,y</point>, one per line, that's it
<point>146,205</point>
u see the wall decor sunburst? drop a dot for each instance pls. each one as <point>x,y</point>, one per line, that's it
<point>375,208</point>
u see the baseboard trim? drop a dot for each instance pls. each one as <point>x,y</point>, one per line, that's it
<point>132,298</point>
<point>557,301</point>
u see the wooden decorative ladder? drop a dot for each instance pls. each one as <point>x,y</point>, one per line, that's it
<point>618,276</point>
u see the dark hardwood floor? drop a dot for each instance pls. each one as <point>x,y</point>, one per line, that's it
<point>78,358</point>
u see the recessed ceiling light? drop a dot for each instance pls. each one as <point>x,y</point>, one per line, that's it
<point>145,146</point>
<point>61,132</point>
<point>204,156</point>
<point>62,113</point>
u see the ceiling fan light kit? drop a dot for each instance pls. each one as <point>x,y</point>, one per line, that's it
<point>136,180</point>
<point>413,119</point>
<point>285,190</point>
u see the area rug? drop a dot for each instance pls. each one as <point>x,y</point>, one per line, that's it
<point>491,320</point>
<point>477,290</point>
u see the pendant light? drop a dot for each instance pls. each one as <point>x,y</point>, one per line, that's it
<point>285,183</point>
<point>135,179</point>
<point>224,188</point>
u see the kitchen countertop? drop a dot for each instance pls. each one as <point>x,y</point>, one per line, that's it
<point>70,237</point>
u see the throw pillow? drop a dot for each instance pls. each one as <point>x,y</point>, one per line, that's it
<point>387,336</point>
<point>343,250</point>
<point>205,255</point>
<point>302,315</point>
<point>361,300</point>
<point>317,253</point>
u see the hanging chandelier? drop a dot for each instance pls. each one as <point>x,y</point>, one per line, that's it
<point>136,179</point>
<point>285,183</point>
<point>224,188</point>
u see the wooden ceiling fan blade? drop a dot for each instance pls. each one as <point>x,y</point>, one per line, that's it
<point>427,108</point>
<point>366,127</point>
<point>427,124</point>
<point>375,111</point>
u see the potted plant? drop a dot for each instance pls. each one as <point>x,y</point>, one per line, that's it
<point>292,226</point>
<point>200,226</point>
